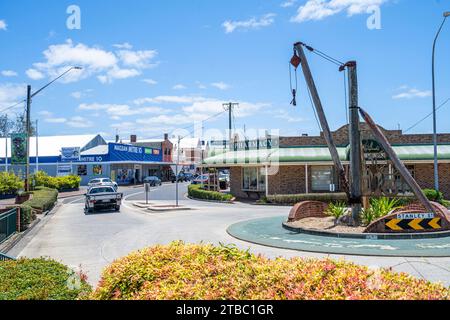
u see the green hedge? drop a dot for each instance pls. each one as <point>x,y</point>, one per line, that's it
<point>43,198</point>
<point>10,183</point>
<point>26,216</point>
<point>291,199</point>
<point>195,191</point>
<point>59,183</point>
<point>40,279</point>
<point>433,195</point>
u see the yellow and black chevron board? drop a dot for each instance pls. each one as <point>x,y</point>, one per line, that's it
<point>415,222</point>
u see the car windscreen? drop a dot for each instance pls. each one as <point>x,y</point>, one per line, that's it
<point>101,190</point>
<point>106,180</point>
<point>95,181</point>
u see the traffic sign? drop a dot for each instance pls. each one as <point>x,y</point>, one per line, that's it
<point>413,224</point>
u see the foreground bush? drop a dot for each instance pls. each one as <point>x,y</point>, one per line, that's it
<point>10,183</point>
<point>41,178</point>
<point>195,191</point>
<point>180,271</point>
<point>40,279</point>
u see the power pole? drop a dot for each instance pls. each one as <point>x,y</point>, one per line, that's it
<point>28,131</point>
<point>229,107</point>
<point>323,120</point>
<point>355,145</point>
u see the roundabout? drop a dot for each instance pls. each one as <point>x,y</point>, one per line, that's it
<point>270,232</point>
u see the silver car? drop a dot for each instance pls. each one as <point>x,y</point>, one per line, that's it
<point>102,182</point>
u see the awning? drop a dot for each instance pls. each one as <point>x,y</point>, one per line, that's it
<point>318,154</point>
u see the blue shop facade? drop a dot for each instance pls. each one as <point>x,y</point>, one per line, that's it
<point>124,163</point>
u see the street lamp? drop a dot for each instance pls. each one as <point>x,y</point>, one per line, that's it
<point>28,121</point>
<point>436,169</point>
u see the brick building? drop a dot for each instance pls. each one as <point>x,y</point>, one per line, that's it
<point>294,165</point>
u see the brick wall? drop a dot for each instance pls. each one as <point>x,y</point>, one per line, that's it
<point>289,180</point>
<point>236,182</point>
<point>424,175</point>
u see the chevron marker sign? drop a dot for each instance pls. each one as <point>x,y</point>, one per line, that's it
<point>414,221</point>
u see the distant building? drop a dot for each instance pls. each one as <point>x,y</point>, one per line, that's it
<point>303,164</point>
<point>122,162</point>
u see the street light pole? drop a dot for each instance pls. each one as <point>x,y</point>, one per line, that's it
<point>28,122</point>
<point>28,131</point>
<point>436,168</point>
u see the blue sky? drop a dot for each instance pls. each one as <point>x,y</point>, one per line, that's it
<point>153,66</point>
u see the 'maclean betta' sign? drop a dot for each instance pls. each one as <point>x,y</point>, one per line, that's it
<point>122,152</point>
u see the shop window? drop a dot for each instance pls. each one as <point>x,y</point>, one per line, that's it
<point>97,170</point>
<point>82,170</point>
<point>254,179</point>
<point>321,178</point>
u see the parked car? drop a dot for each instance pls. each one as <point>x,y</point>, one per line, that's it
<point>103,197</point>
<point>181,178</point>
<point>153,181</point>
<point>102,182</point>
<point>202,179</point>
<point>189,176</point>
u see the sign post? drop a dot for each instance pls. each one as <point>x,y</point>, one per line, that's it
<point>147,191</point>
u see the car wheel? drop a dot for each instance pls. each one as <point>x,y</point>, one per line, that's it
<point>117,208</point>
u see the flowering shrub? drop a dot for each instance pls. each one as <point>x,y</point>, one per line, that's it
<point>180,271</point>
<point>40,279</point>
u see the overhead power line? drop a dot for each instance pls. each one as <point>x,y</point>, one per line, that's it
<point>13,106</point>
<point>425,118</point>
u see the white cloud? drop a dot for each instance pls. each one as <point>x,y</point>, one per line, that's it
<point>117,73</point>
<point>79,122</point>
<point>117,111</point>
<point>201,107</point>
<point>124,45</point>
<point>50,118</point>
<point>150,81</point>
<point>106,65</point>
<point>9,73</point>
<point>169,99</point>
<point>137,59</point>
<point>220,85</point>
<point>320,9</point>
<point>34,74</point>
<point>286,116</point>
<point>288,3</point>
<point>179,87</point>
<point>412,93</point>
<point>210,107</point>
<point>81,94</point>
<point>11,93</point>
<point>3,25</point>
<point>55,120</point>
<point>253,23</point>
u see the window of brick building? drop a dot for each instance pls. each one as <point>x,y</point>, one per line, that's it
<point>253,179</point>
<point>321,178</point>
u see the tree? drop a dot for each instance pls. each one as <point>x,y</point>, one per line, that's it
<point>20,124</point>
<point>6,125</point>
